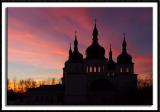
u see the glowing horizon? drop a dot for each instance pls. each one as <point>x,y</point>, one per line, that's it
<point>39,38</point>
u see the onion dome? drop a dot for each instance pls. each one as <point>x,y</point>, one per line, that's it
<point>76,55</point>
<point>111,63</point>
<point>124,57</point>
<point>95,51</point>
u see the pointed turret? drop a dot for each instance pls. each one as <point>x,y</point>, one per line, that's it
<point>111,63</point>
<point>76,55</point>
<point>70,52</point>
<point>95,33</point>
<point>124,57</point>
<point>75,42</point>
<point>95,51</point>
<point>110,53</point>
<point>124,45</point>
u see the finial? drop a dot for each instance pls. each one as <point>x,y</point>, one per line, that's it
<point>124,36</point>
<point>110,53</point>
<point>75,42</point>
<point>110,48</point>
<point>70,46</point>
<point>95,22</point>
<point>75,33</point>
<point>124,43</point>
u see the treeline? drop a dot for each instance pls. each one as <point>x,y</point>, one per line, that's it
<point>23,85</point>
<point>144,83</point>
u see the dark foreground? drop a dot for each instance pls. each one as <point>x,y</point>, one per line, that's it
<point>53,95</point>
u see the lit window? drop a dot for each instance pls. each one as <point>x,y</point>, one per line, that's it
<point>90,69</point>
<point>94,68</point>
<point>87,69</point>
<point>127,69</point>
<point>99,68</point>
<point>120,69</point>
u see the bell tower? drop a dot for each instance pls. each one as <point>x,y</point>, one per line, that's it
<point>74,77</point>
<point>124,60</point>
<point>127,80</point>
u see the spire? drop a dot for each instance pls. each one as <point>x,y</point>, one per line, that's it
<point>95,32</point>
<point>124,43</point>
<point>110,53</point>
<point>75,42</point>
<point>70,52</point>
<point>76,55</point>
<point>95,23</point>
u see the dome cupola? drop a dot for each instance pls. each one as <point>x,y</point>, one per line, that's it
<point>95,51</point>
<point>76,55</point>
<point>124,57</point>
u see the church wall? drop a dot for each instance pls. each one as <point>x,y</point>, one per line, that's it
<point>96,66</point>
<point>122,68</point>
<point>126,82</point>
<point>75,83</point>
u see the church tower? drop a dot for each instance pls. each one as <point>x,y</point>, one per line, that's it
<point>74,77</point>
<point>95,78</point>
<point>95,56</point>
<point>111,64</point>
<point>127,80</point>
<point>124,60</point>
<point>95,65</point>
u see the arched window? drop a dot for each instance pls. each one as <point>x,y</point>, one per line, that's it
<point>127,69</point>
<point>90,69</point>
<point>121,69</point>
<point>99,69</point>
<point>94,68</point>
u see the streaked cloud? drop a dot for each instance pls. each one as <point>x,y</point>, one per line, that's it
<point>40,37</point>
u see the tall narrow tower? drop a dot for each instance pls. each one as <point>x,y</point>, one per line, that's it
<point>74,77</point>
<point>124,60</point>
<point>95,55</point>
<point>127,80</point>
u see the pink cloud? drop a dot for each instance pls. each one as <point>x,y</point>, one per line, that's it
<point>28,46</point>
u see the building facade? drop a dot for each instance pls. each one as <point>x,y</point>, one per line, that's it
<point>97,78</point>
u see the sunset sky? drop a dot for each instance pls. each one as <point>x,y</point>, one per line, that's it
<point>39,38</point>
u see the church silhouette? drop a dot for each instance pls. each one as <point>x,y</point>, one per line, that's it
<point>96,79</point>
<point>93,80</point>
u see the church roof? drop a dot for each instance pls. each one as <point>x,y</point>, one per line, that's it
<point>95,51</point>
<point>124,57</point>
<point>75,56</point>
